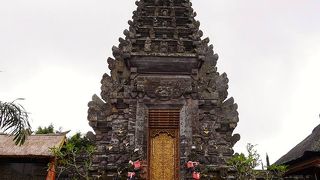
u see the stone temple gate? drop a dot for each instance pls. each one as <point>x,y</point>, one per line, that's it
<point>164,97</point>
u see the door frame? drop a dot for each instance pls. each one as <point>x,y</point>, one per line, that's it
<point>171,131</point>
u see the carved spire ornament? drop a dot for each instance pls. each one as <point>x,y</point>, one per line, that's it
<point>163,80</point>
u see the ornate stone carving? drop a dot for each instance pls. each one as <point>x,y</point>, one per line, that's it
<point>163,47</point>
<point>98,111</point>
<point>111,63</point>
<point>107,88</point>
<point>152,33</point>
<point>172,12</point>
<point>155,22</point>
<point>113,88</point>
<point>165,12</point>
<point>162,88</point>
<point>180,46</point>
<point>235,139</point>
<point>163,91</point>
<point>147,45</point>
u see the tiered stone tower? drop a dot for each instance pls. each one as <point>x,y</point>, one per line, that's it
<point>164,96</point>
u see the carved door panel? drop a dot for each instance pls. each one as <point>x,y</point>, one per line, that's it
<point>163,145</point>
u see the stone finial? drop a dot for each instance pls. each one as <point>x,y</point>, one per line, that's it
<point>116,52</point>
<point>235,138</point>
<point>111,63</point>
<point>194,14</point>
<point>140,3</point>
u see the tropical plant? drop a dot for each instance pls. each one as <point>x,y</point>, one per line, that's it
<point>244,165</point>
<point>14,120</point>
<point>75,157</point>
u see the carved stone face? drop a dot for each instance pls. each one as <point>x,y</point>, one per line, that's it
<point>165,12</point>
<point>163,91</point>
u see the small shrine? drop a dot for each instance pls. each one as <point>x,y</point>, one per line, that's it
<point>164,98</point>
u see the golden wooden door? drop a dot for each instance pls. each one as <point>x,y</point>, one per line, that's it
<point>163,144</point>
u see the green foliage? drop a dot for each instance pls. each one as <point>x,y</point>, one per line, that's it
<point>278,168</point>
<point>45,130</point>
<point>245,165</point>
<point>276,171</point>
<point>75,157</point>
<point>14,120</point>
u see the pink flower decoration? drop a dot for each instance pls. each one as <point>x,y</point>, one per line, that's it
<point>190,164</point>
<point>196,175</point>
<point>137,164</point>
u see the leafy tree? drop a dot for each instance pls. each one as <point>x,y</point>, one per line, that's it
<point>14,120</point>
<point>75,157</point>
<point>45,130</point>
<point>245,165</point>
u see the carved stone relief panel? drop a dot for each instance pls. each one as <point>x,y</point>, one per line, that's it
<point>163,88</point>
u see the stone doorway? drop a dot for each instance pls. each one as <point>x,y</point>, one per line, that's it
<point>163,144</point>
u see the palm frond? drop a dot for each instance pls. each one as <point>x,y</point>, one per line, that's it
<point>15,120</point>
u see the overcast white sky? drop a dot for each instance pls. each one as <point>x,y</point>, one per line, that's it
<point>53,53</point>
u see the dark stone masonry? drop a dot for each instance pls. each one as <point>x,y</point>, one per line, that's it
<point>163,63</point>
